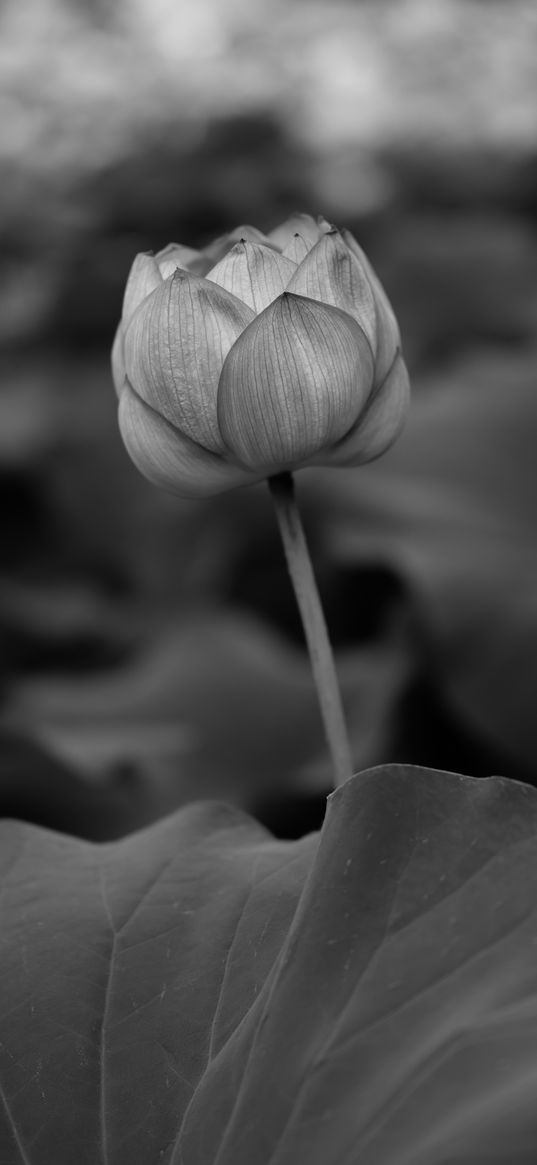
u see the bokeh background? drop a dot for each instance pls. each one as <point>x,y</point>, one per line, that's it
<point>150,648</point>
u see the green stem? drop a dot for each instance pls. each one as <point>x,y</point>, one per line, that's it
<point>281,486</point>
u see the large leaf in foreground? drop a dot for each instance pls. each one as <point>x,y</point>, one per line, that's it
<point>200,994</point>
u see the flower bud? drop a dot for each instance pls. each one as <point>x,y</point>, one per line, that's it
<point>256,355</point>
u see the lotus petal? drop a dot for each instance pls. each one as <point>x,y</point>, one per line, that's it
<point>302,224</point>
<point>168,458</point>
<point>332,274</point>
<point>377,427</point>
<point>388,336</point>
<point>254,273</point>
<point>296,249</point>
<point>144,276</point>
<point>219,247</point>
<point>177,255</point>
<point>295,380</point>
<point>118,361</point>
<point>175,346</point>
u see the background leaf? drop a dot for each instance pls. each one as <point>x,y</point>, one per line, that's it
<point>216,706</point>
<point>452,511</point>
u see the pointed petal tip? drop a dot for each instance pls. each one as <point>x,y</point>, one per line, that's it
<point>143,278</point>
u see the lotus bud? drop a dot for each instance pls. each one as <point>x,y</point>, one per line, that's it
<point>257,355</point>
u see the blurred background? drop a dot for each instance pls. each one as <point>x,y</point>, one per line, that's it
<point>150,648</point>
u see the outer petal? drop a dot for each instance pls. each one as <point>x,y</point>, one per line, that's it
<point>144,277</point>
<point>294,381</point>
<point>254,273</point>
<point>332,274</point>
<point>168,458</point>
<point>389,339</point>
<point>379,424</point>
<point>175,346</point>
<point>301,224</point>
<point>118,360</point>
<point>177,255</point>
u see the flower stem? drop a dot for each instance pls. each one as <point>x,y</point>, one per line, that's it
<point>281,486</point>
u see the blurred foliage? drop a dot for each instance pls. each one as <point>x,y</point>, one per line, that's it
<point>151,651</point>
